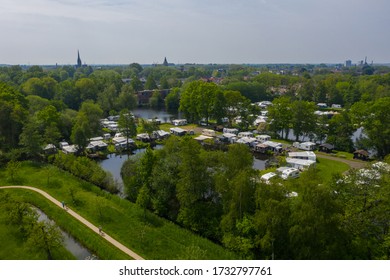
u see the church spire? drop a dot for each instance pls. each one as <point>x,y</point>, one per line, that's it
<point>165,62</point>
<point>78,59</point>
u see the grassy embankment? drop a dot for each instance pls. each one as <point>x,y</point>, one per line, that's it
<point>145,233</point>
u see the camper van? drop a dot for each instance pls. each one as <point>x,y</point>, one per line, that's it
<point>290,173</point>
<point>263,138</point>
<point>268,176</point>
<point>307,146</point>
<point>179,122</point>
<point>177,131</point>
<point>208,132</point>
<point>230,130</point>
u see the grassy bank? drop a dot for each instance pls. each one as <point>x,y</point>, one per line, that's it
<point>148,235</point>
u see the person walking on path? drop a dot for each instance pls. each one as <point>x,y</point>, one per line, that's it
<point>63,204</point>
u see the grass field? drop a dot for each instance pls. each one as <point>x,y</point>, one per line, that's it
<point>327,168</point>
<point>148,235</point>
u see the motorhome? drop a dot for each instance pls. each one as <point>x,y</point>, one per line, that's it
<point>308,155</point>
<point>208,132</point>
<point>230,130</point>
<point>245,134</point>
<point>268,176</point>
<point>250,141</point>
<point>177,131</point>
<point>179,122</point>
<point>307,146</point>
<point>263,138</point>
<point>289,173</point>
<point>300,164</point>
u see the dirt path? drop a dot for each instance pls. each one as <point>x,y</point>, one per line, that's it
<point>352,163</point>
<point>81,219</point>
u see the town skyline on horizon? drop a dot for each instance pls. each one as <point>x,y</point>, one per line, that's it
<point>46,32</point>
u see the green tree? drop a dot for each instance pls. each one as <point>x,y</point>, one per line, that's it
<point>87,89</point>
<point>303,119</point>
<point>46,237</point>
<point>156,101</point>
<point>67,93</point>
<point>235,104</point>
<point>136,84</point>
<point>81,132</point>
<point>31,138</point>
<point>13,114</point>
<point>374,118</point>
<point>365,194</point>
<point>315,225</point>
<point>93,113</point>
<point>12,170</point>
<point>50,86</point>
<point>272,219</point>
<point>281,114</point>
<point>340,131</point>
<point>150,83</point>
<point>219,106</point>
<point>195,192</point>
<point>172,101</point>
<point>127,99</point>
<point>107,99</point>
<point>127,125</point>
<point>35,86</point>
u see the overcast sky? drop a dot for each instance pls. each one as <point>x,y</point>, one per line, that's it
<point>194,31</point>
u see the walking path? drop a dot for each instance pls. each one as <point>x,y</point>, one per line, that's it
<point>81,219</point>
<point>352,163</point>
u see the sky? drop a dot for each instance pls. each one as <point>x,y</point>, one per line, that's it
<point>194,31</point>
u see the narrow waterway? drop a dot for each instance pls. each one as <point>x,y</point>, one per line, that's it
<point>79,251</point>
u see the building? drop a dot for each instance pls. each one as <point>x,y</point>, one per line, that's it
<point>348,63</point>
<point>79,64</point>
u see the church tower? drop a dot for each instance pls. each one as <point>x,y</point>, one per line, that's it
<point>78,60</point>
<point>165,62</point>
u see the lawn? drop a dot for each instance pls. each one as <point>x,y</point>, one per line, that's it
<point>147,234</point>
<point>327,168</point>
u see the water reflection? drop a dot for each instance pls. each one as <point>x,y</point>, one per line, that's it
<point>146,113</point>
